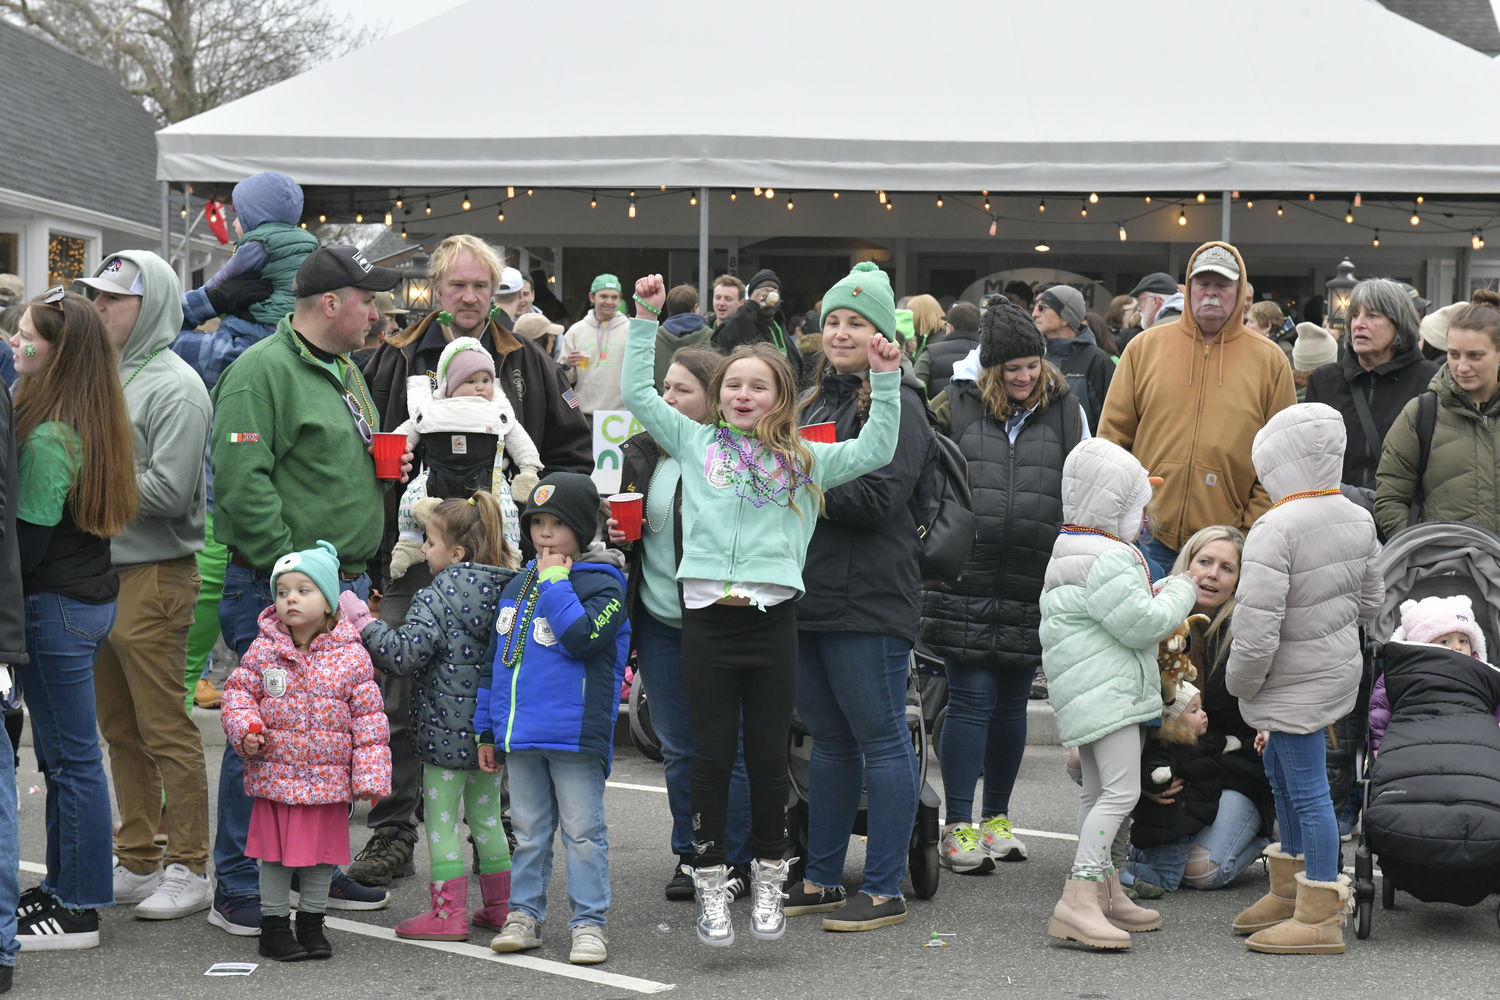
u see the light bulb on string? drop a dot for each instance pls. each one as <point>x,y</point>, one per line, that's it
<point>1123,234</point>
<point>1041,205</point>
<point>1084,210</point>
<point>400,203</point>
<point>1182,217</point>
<point>1311,196</point>
<point>940,201</point>
<point>757,192</point>
<point>994,225</point>
<point>1415,219</point>
<point>789,205</point>
<point>1094,198</point>
<point>693,199</point>
<point>403,230</point>
<point>501,216</point>
<point>1419,199</point>
<point>1148,199</point>
<point>466,201</point>
<point>1376,243</point>
<point>835,196</point>
<point>770,193</point>
<point>663,187</point>
<point>734,195</point>
<point>304,225</point>
<point>359,217</point>
<point>530,192</point>
<point>1356,200</point>
<point>183,213</point>
<point>593,200</point>
<point>322,218</point>
<point>632,208</point>
<point>388,219</point>
<point>881,194</point>
<point>429,208</point>
<point>1477,240</point>
<point>1041,248</point>
<point>1202,197</point>
<point>889,204</point>
<point>510,192</point>
<point>1279,209</point>
<point>1249,204</point>
<point>1234,196</point>
<point>1349,215</point>
<point>986,204</point>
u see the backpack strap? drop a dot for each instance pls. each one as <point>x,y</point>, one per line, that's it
<point>1373,440</point>
<point>1427,404</point>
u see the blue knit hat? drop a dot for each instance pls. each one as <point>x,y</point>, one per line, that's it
<point>321,566</point>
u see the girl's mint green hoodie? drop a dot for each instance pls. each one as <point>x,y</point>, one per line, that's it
<point>729,538</point>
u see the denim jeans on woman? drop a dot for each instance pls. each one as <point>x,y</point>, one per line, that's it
<point>851,696</point>
<point>62,638</point>
<point>659,659</point>
<point>10,853</point>
<point>1296,764</point>
<point>985,727</point>
<point>246,595</point>
<point>1233,842</point>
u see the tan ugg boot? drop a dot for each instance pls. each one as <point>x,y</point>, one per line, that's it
<point>1317,927</point>
<point>1120,910</point>
<point>1281,902</point>
<point>1077,917</point>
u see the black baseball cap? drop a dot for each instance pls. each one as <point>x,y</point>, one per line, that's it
<point>1156,284</point>
<point>327,269</point>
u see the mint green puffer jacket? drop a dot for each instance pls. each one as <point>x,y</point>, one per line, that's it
<point>1101,621</point>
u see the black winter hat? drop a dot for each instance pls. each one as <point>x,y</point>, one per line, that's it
<point>765,276</point>
<point>1007,332</point>
<point>572,498</point>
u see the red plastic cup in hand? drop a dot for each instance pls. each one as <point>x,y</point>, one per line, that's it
<point>626,508</point>
<point>822,433</point>
<point>389,448</point>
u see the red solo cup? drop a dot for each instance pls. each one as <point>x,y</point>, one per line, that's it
<point>388,451</point>
<point>625,508</point>
<point>822,433</point>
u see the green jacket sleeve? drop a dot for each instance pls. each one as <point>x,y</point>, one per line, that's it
<point>247,508</point>
<point>666,426</point>
<point>923,369</point>
<point>836,464</point>
<point>1120,599</point>
<point>45,472</point>
<point>1396,476</point>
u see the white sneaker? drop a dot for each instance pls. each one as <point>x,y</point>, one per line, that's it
<point>133,888</point>
<point>589,945</point>
<point>181,893</point>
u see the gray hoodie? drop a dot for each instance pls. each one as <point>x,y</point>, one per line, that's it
<point>170,419</point>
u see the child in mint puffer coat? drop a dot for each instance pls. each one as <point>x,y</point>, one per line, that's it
<point>1101,621</point>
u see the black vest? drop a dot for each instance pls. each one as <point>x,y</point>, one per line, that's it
<point>943,355</point>
<point>990,617</point>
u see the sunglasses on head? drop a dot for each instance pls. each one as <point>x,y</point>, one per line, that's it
<point>54,295</point>
<point>359,418</point>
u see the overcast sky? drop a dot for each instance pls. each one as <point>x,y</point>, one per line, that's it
<point>397,15</point>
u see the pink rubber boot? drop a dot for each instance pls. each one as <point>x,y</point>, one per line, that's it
<point>449,918</point>
<point>496,891</point>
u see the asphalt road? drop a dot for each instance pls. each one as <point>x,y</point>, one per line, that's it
<point>999,947</point>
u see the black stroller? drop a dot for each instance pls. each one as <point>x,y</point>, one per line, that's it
<point>1433,827</point>
<point>926,691</point>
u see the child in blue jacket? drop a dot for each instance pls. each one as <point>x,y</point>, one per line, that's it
<point>547,699</point>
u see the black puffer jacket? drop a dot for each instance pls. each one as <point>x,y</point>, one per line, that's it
<point>12,608</point>
<point>1244,772</point>
<point>750,325</point>
<point>943,355</point>
<point>863,555</point>
<point>1433,818</point>
<point>1387,389</point>
<point>989,618</point>
<point>1200,766</point>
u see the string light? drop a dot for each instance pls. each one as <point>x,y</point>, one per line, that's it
<point>770,193</point>
<point>403,230</point>
<point>304,225</point>
<point>1084,210</point>
<point>889,203</point>
<point>1042,205</point>
<point>429,208</point>
<point>466,201</point>
<point>400,203</point>
<point>835,196</point>
<point>1094,198</point>
<point>1202,197</point>
<point>632,206</point>
<point>994,225</point>
<point>882,196</point>
<point>663,187</point>
<point>1182,217</point>
<point>1419,199</point>
<point>1123,235</point>
<point>529,192</point>
<point>1278,208</point>
<point>1356,200</point>
<point>1148,199</point>
<point>1249,204</point>
<point>1477,240</point>
<point>940,201</point>
<point>734,195</point>
<point>1349,215</point>
<point>693,199</point>
<point>789,205</point>
<point>1415,219</point>
<point>757,192</point>
<point>322,218</point>
<point>1041,248</point>
<point>1311,196</point>
<point>183,213</point>
<point>501,216</point>
<point>358,217</point>
<point>510,192</point>
<point>388,218</point>
<point>986,204</point>
<point>593,200</point>
<point>1233,195</point>
<point>1377,239</point>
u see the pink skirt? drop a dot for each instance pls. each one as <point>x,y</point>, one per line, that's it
<point>299,836</point>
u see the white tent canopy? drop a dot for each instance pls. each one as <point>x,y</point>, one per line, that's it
<point>1106,95</point>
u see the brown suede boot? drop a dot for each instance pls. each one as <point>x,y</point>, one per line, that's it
<point>1281,902</point>
<point>1317,927</point>
<point>1120,910</point>
<point>1077,917</point>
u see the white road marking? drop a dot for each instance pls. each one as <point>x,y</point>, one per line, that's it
<point>635,788</point>
<point>1047,834</point>
<point>585,972</point>
<point>33,867</point>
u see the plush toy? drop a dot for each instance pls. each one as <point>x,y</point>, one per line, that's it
<point>1172,658</point>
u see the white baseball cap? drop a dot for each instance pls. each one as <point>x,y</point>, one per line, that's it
<point>120,276</point>
<point>510,282</point>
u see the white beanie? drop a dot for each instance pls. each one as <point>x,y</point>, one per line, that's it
<point>1186,692</point>
<point>1435,325</point>
<point>1314,348</point>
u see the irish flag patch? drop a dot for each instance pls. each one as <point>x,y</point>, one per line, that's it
<point>243,438</point>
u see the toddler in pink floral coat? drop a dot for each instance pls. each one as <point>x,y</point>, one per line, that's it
<point>303,710</point>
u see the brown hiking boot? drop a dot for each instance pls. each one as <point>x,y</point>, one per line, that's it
<point>386,857</point>
<point>1281,902</point>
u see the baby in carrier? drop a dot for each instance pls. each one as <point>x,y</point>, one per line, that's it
<point>460,422</point>
<point>1441,621</point>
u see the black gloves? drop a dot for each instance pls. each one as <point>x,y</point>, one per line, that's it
<point>234,294</point>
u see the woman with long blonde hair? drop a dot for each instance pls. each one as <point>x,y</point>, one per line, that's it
<point>76,490</point>
<point>753,490</point>
<point>927,324</point>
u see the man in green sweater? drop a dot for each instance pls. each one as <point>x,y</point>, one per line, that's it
<point>292,465</point>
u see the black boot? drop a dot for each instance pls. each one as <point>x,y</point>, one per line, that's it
<point>276,940</point>
<point>310,935</point>
<point>7,973</point>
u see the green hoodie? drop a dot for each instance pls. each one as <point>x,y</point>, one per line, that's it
<point>290,466</point>
<point>170,416</point>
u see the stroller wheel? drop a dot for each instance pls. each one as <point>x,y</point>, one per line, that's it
<point>1362,913</point>
<point>641,734</point>
<point>1387,894</point>
<point>923,859</point>
<point>937,733</point>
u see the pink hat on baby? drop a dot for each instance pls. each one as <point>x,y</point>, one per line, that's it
<point>465,362</point>
<point>1427,619</point>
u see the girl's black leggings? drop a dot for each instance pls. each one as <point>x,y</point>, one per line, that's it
<point>739,662</point>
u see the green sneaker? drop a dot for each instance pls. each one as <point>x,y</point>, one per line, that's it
<point>962,851</point>
<point>999,840</point>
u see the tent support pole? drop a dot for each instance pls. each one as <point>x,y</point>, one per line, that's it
<point>703,279</point>
<point>1226,201</point>
<point>166,221</point>
<point>185,268</point>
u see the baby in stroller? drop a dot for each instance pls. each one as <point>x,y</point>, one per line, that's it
<point>460,423</point>
<point>1433,816</point>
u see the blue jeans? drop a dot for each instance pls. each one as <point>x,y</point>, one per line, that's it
<point>62,638</point>
<point>985,726</point>
<point>1158,554</point>
<point>851,695</point>
<point>246,595</point>
<point>659,659</point>
<point>548,788</point>
<point>10,852</point>
<point>1232,842</point>
<point>1296,764</point>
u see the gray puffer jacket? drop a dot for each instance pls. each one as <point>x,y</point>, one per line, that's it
<point>1309,577</point>
<point>441,645</point>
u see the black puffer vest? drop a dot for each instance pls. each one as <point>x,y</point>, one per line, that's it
<point>989,618</point>
<point>946,353</point>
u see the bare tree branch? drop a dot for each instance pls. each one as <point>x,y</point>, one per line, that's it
<point>183,57</point>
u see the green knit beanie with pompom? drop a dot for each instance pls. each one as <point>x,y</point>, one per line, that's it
<point>867,291</point>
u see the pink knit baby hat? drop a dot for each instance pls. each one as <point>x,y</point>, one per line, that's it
<point>465,362</point>
<point>1425,620</point>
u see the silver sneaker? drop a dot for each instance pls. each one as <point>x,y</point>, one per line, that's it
<point>714,926</point>
<point>767,909</point>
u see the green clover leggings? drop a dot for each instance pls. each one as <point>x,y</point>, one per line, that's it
<point>480,793</point>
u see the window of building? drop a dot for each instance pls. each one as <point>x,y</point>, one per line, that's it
<point>65,259</point>
<point>10,253</point>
